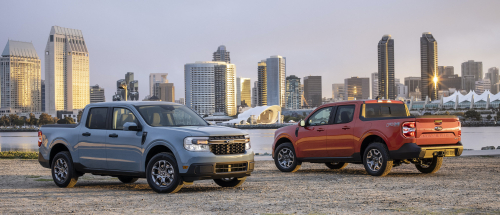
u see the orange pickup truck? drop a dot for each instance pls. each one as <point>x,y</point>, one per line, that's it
<point>380,134</point>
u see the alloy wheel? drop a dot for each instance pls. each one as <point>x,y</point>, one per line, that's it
<point>374,160</point>
<point>61,170</point>
<point>285,158</point>
<point>163,173</point>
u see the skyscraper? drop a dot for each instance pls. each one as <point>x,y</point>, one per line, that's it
<point>156,78</point>
<point>375,85</point>
<point>166,92</point>
<point>97,94</point>
<point>386,67</point>
<point>222,55</point>
<point>356,88</point>
<point>66,70</point>
<point>482,85</point>
<point>413,83</point>
<point>293,92</point>
<point>255,94</point>
<point>43,95</point>
<point>20,72</point>
<point>132,85</point>
<point>262,83</point>
<point>313,90</point>
<point>245,92</point>
<point>494,78</point>
<point>428,66</point>
<point>338,92</point>
<point>238,91</point>
<point>446,71</point>
<point>469,69</point>
<point>276,80</point>
<point>210,87</point>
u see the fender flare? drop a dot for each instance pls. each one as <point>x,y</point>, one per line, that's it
<point>159,142</point>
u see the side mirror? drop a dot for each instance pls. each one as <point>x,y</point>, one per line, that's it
<point>130,126</point>
<point>302,123</point>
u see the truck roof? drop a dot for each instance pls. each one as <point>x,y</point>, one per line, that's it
<point>135,103</point>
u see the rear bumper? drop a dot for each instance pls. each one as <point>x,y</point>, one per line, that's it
<point>45,163</point>
<point>200,171</point>
<point>412,150</point>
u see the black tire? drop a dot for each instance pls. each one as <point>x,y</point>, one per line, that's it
<point>127,179</point>
<point>289,162</point>
<point>431,165</point>
<point>376,159</point>
<point>339,165</point>
<point>63,171</point>
<point>230,182</point>
<point>167,162</point>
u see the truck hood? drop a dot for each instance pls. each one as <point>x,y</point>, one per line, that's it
<point>205,131</point>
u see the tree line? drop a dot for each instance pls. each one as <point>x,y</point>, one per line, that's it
<point>45,119</point>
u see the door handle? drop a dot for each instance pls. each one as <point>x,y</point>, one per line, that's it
<point>346,127</point>
<point>319,129</point>
<point>113,135</point>
<point>86,134</point>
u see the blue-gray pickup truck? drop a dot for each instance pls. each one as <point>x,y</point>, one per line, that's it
<point>166,143</point>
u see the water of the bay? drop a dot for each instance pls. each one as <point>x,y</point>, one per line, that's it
<point>262,139</point>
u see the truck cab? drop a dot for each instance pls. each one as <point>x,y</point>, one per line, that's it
<point>166,143</point>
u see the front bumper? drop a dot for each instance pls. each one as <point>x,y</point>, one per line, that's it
<point>200,171</point>
<point>412,150</point>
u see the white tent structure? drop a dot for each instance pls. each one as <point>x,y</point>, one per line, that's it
<point>260,114</point>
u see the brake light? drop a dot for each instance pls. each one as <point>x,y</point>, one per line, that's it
<point>409,129</point>
<point>459,133</point>
<point>39,138</point>
<point>459,129</point>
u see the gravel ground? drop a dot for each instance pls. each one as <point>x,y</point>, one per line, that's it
<point>464,185</point>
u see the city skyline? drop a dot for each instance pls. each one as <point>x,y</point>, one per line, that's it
<point>113,45</point>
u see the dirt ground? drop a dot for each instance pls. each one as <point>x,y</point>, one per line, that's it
<point>464,185</point>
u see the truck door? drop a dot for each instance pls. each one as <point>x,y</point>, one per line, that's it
<point>312,137</point>
<point>340,139</point>
<point>92,137</point>
<point>123,148</point>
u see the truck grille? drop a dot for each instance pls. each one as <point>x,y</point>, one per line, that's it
<point>227,148</point>
<point>238,167</point>
<point>226,137</point>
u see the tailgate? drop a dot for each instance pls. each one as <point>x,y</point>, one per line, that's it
<point>437,130</point>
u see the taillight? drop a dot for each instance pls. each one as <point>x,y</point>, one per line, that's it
<point>459,129</point>
<point>459,133</point>
<point>39,138</point>
<point>409,129</point>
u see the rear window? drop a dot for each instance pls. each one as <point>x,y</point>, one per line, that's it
<point>384,110</point>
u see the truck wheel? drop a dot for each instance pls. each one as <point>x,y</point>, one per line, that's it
<point>162,174</point>
<point>285,158</point>
<point>431,165</point>
<point>229,182</point>
<point>63,172</point>
<point>127,180</point>
<point>376,160</point>
<point>337,165</point>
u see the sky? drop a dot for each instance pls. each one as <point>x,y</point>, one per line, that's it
<point>333,39</point>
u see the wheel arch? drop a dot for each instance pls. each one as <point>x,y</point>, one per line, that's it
<point>58,147</point>
<point>281,140</point>
<point>370,138</point>
<point>156,149</point>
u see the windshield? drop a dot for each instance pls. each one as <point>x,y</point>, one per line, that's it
<point>170,115</point>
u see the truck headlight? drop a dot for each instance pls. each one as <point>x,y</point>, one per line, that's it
<point>196,144</point>
<point>247,142</point>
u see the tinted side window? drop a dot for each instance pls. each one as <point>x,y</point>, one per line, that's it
<point>97,118</point>
<point>385,110</point>
<point>320,117</point>
<point>121,116</point>
<point>345,114</point>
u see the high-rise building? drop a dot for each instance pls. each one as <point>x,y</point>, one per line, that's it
<point>255,94</point>
<point>356,88</point>
<point>386,67</point>
<point>97,94</point>
<point>446,71</point>
<point>66,71</point>
<point>482,85</point>
<point>166,92</point>
<point>375,85</point>
<point>20,77</point>
<point>276,80</point>
<point>222,55</point>
<point>132,87</point>
<point>494,78</point>
<point>245,92</point>
<point>43,95</point>
<point>471,69</point>
<point>401,91</point>
<point>238,91</point>
<point>210,87</point>
<point>413,83</point>
<point>293,92</point>
<point>156,78</point>
<point>262,83</point>
<point>428,66</point>
<point>338,92</point>
<point>468,83</point>
<point>313,90</point>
